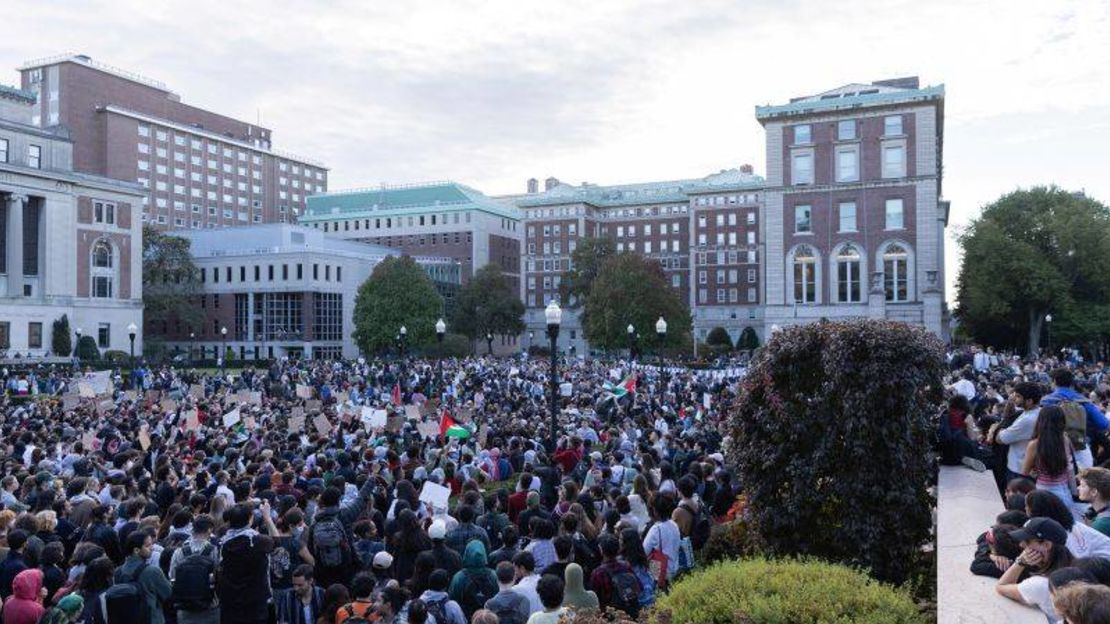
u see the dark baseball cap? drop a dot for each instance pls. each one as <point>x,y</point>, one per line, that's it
<point>1043,529</point>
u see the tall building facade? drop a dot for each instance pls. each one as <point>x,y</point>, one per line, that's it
<point>70,243</point>
<point>849,222</point>
<point>854,217</point>
<point>200,169</point>
<point>280,291</point>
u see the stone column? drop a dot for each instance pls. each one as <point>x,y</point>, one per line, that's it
<point>15,244</point>
<point>876,297</point>
<point>932,315</point>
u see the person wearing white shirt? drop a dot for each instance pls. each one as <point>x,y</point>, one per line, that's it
<point>1026,396</point>
<point>964,387</point>
<point>664,535</point>
<point>527,579</point>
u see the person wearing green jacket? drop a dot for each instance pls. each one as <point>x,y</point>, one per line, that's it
<point>156,587</point>
<point>475,583</point>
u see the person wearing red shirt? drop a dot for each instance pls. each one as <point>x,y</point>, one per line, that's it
<point>518,501</point>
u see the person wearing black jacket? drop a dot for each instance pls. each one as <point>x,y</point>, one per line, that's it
<point>304,602</point>
<point>102,534</point>
<point>14,563</point>
<point>243,585</point>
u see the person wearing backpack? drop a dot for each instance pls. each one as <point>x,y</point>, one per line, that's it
<point>475,583</point>
<point>329,539</point>
<point>614,581</point>
<point>511,607</point>
<point>691,516</point>
<point>1082,418</point>
<point>193,574</point>
<point>361,609</point>
<point>439,603</point>
<point>243,582</point>
<point>140,588</point>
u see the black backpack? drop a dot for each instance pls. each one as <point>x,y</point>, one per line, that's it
<point>475,591</point>
<point>701,526</point>
<point>194,579</point>
<point>330,546</point>
<point>507,614</point>
<point>125,602</point>
<point>625,591</point>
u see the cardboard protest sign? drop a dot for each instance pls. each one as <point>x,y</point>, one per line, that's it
<point>249,423</point>
<point>314,405</point>
<point>243,396</point>
<point>255,398</point>
<point>105,406</point>
<point>435,495</point>
<point>196,391</point>
<point>232,418</point>
<point>412,412</point>
<point>192,421</point>
<point>70,403</point>
<point>323,425</point>
<point>296,423</point>
<point>304,392</point>
<point>130,395</point>
<point>169,405</point>
<point>341,397</point>
<point>100,381</point>
<point>373,418</point>
<point>428,429</point>
<point>85,390</point>
<point>144,438</point>
<point>705,400</point>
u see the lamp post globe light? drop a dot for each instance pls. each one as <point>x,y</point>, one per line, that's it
<point>631,342</point>
<point>76,346</point>
<point>441,330</point>
<point>404,336</point>
<point>192,346</point>
<point>1048,328</point>
<point>223,347</point>
<point>489,343</point>
<point>661,334</point>
<point>554,316</point>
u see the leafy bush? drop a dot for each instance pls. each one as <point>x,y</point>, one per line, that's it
<point>732,540</point>
<point>831,439</point>
<point>117,357</point>
<point>60,341</point>
<point>87,350</point>
<point>748,340</point>
<point>758,591</point>
<point>718,337</point>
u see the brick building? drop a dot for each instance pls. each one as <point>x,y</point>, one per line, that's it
<point>201,169</point>
<point>70,242</point>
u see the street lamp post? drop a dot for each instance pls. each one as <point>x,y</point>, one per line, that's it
<point>631,342</point>
<point>131,331</point>
<point>192,347</point>
<point>404,335</point>
<point>554,317</point>
<point>223,348</point>
<point>489,343</point>
<point>531,339</point>
<point>77,347</point>
<point>441,329</point>
<point>661,334</point>
<point>1048,328</point>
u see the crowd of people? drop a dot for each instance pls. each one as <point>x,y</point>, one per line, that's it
<point>1039,425</point>
<point>270,495</point>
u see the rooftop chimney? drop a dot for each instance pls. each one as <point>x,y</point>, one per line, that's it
<point>550,183</point>
<point>746,168</point>
<point>533,185</point>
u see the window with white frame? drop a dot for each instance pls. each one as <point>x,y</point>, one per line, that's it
<point>892,125</point>
<point>895,219</point>
<point>848,267</point>
<point>803,219</point>
<point>894,160</point>
<point>751,295</point>
<point>104,212</point>
<point>144,131</point>
<point>801,169</point>
<point>846,130</point>
<point>847,216</point>
<point>103,272</point>
<point>847,163</point>
<point>805,274</point>
<point>703,295</point>
<point>802,134</point>
<point>3,150</point>
<point>896,272</point>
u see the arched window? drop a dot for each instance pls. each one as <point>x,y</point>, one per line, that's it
<point>848,270</point>
<point>103,271</point>
<point>805,275</point>
<point>896,272</point>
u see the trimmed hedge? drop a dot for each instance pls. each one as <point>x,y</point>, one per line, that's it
<point>832,439</point>
<point>759,591</point>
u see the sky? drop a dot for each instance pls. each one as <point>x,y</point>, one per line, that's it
<point>490,93</point>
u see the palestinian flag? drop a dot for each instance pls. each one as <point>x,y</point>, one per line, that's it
<point>448,428</point>
<point>624,387</point>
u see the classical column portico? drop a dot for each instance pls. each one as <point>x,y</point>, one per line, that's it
<point>15,244</point>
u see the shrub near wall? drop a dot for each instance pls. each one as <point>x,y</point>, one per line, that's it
<point>832,441</point>
<point>757,591</point>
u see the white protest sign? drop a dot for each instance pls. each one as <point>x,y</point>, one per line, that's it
<point>705,400</point>
<point>231,418</point>
<point>373,418</point>
<point>435,495</point>
<point>412,412</point>
<point>304,392</point>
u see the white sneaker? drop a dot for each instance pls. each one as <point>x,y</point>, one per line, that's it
<point>974,464</point>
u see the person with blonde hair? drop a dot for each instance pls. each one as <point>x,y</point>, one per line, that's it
<point>1082,603</point>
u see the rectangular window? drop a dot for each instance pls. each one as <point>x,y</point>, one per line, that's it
<point>751,218</point>
<point>803,219</point>
<point>802,135</point>
<point>751,295</point>
<point>34,335</point>
<point>751,237</point>
<point>892,126</point>
<point>720,295</point>
<point>144,131</point>
<point>3,150</point>
<point>846,130</point>
<point>847,216</point>
<point>894,161</point>
<point>703,277</point>
<point>285,272</point>
<point>34,156</point>
<point>300,271</point>
<point>847,163</point>
<point>894,216</point>
<point>270,272</point>
<point>801,171</point>
<point>703,295</point>
<point>104,336</point>
<point>751,276</point>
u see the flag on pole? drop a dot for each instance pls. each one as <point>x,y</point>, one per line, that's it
<point>396,397</point>
<point>624,387</point>
<point>448,428</point>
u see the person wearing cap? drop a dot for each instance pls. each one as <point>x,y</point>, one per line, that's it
<point>1044,550</point>
<point>382,568</point>
<point>445,556</point>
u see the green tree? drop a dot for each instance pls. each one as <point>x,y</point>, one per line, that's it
<point>488,303</point>
<point>749,340</point>
<point>87,350</point>
<point>1032,253</point>
<point>61,342</point>
<point>586,262</point>
<point>171,281</point>
<point>631,289</point>
<point>397,293</point>
<point>718,337</point>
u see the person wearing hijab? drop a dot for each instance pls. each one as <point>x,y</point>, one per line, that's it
<point>575,594</point>
<point>67,611</point>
